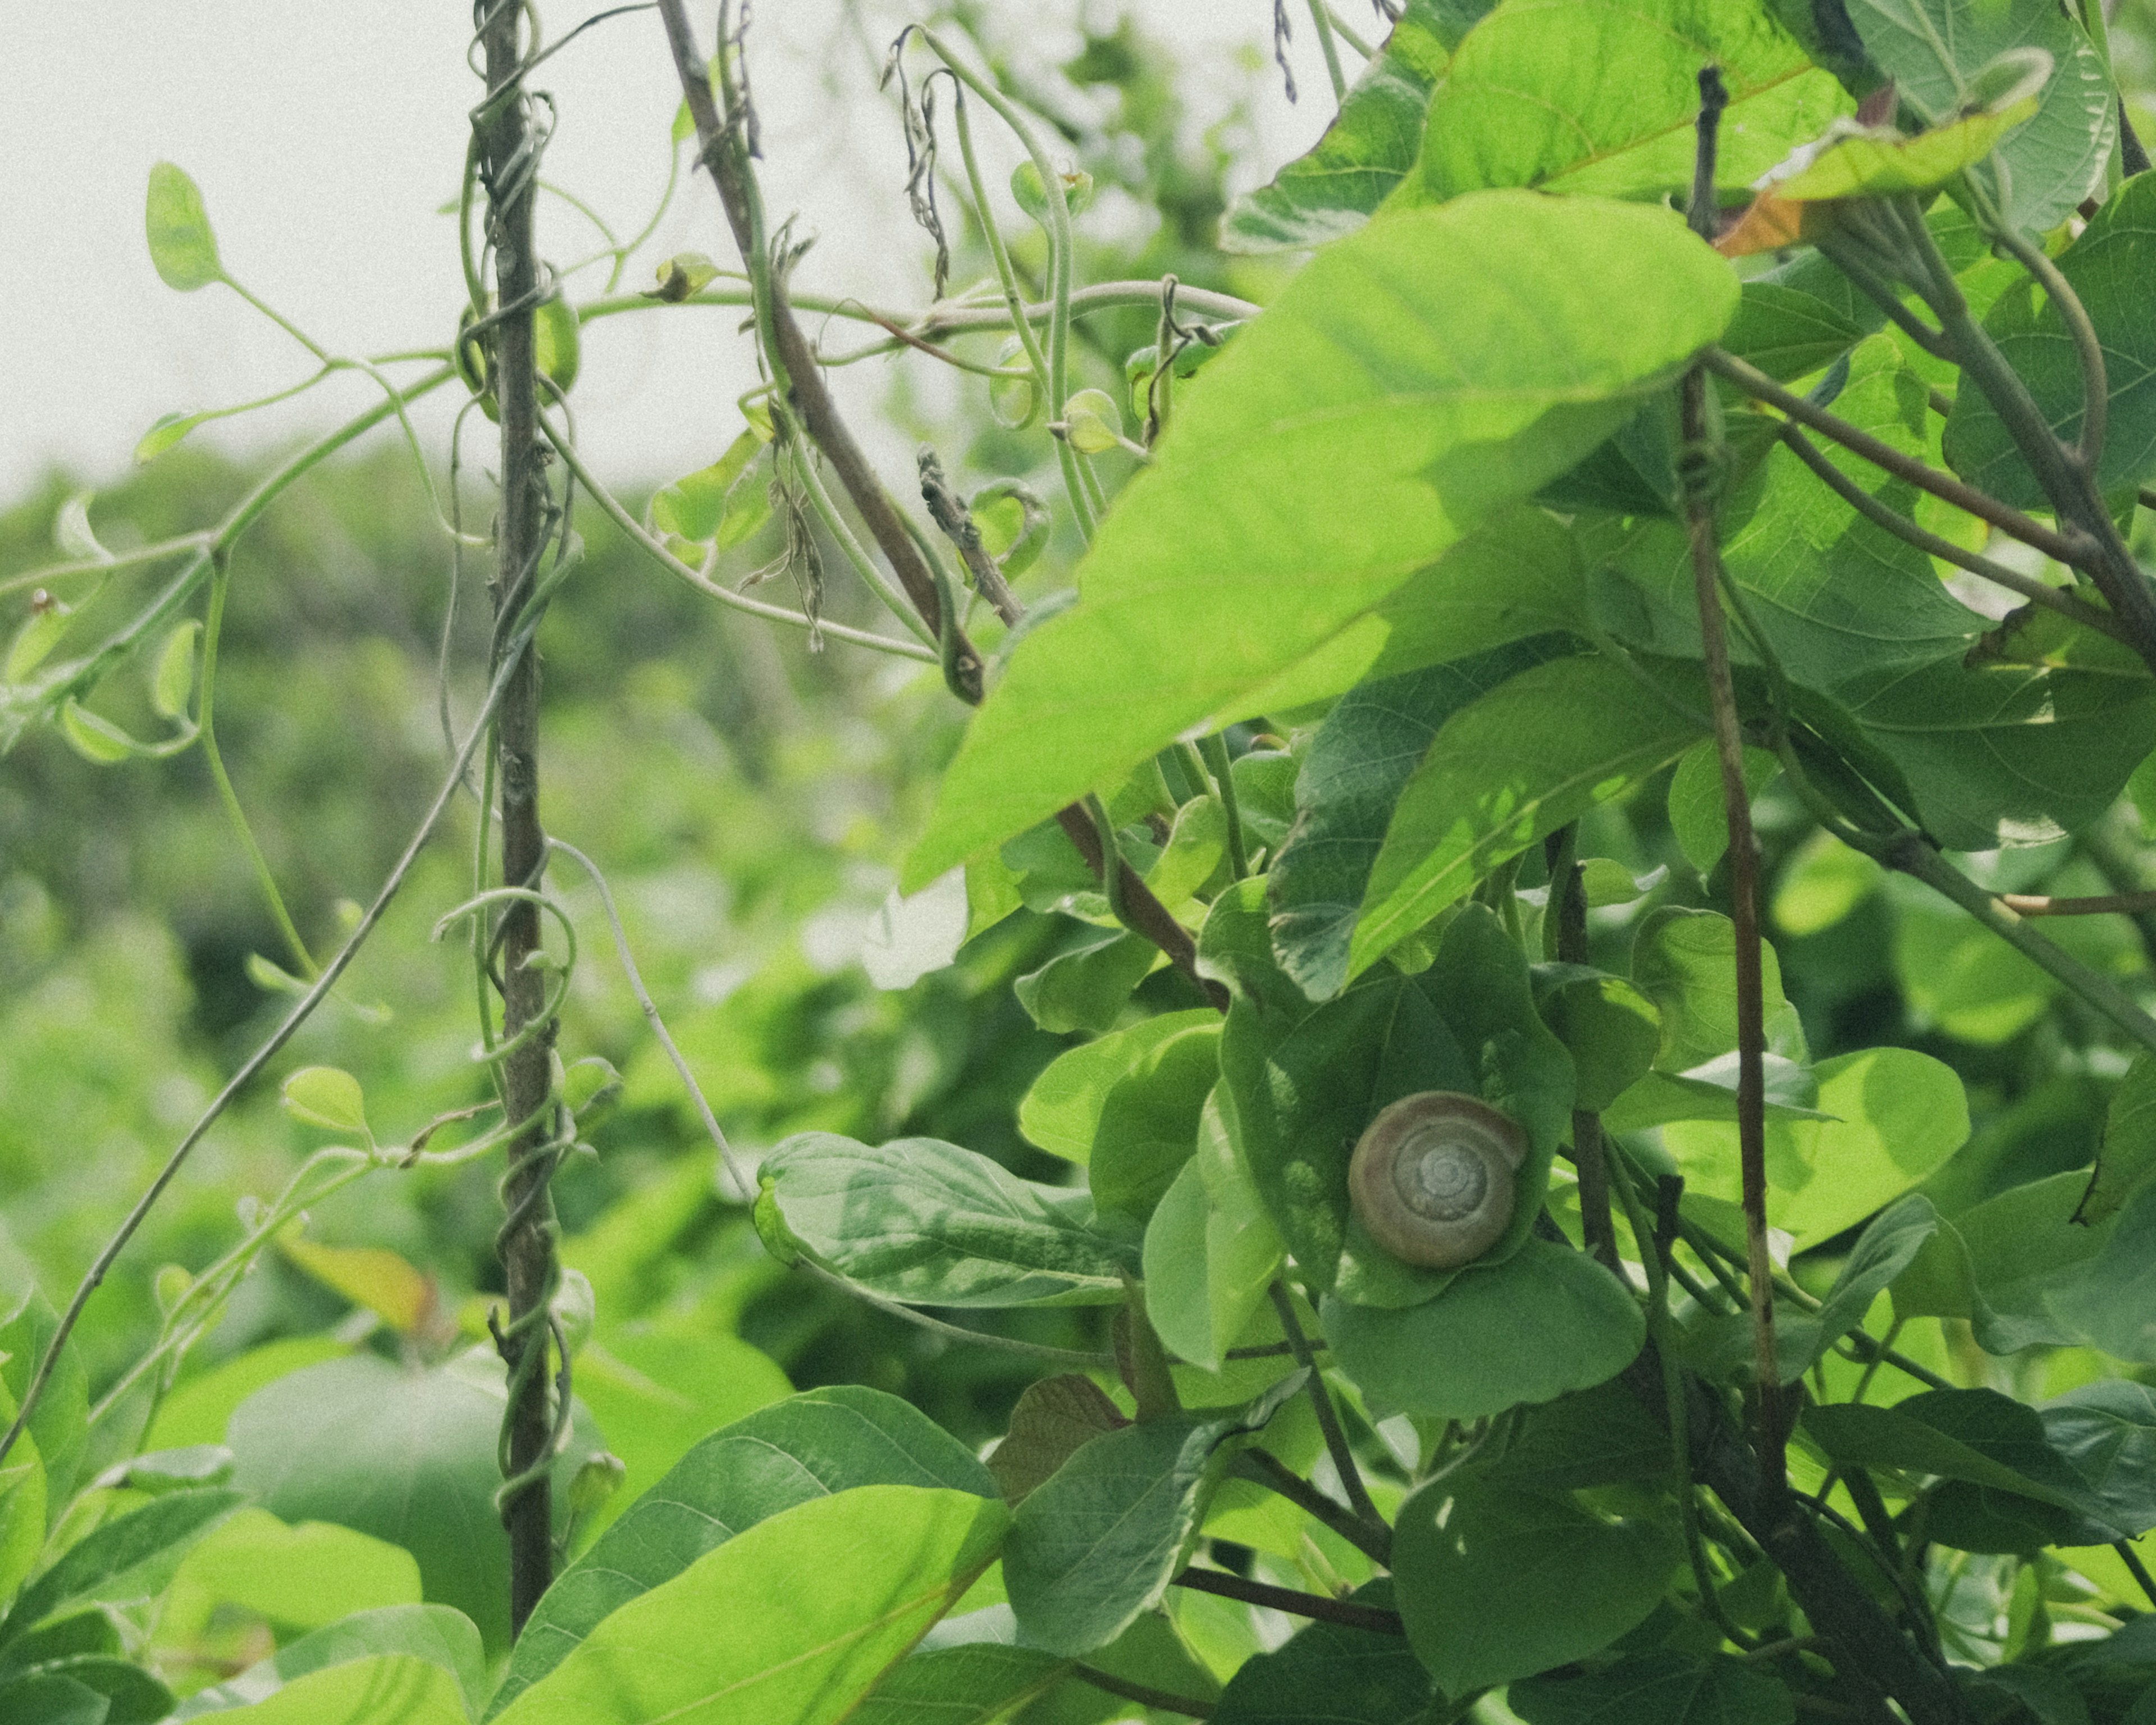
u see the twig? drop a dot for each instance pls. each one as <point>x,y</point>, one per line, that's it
<point>1264,1468</point>
<point>2096,389</point>
<point>946,317</point>
<point>1328,1416</point>
<point>947,510</point>
<point>2009,520</point>
<point>1743,847</point>
<point>2028,904</point>
<point>1316,1606</point>
<point>1901,527</point>
<point>2136,1568</point>
<point>1319,17</point>
<point>1143,1694</point>
<point>1568,911</point>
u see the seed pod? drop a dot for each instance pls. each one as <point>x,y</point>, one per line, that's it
<point>1432,1178</point>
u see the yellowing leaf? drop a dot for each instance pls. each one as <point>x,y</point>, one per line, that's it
<point>373,1276</point>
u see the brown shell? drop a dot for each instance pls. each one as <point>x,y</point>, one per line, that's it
<point>1431,1179</point>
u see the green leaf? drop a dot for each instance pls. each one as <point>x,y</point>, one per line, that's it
<point>910,936</point>
<point>818,1601</point>
<point>2110,1299</point>
<point>1370,146</point>
<point>198,1410</point>
<point>1545,1321</point>
<point>695,506</point>
<point>1528,100</point>
<point>1363,756</point>
<point>59,1424</point>
<point>73,534</point>
<point>1087,986</point>
<point>1882,162</point>
<point>1999,1264</point>
<point>1032,196</point>
<point>1053,1419</point>
<point>1684,962</point>
<point>97,739</point>
<point>1505,771</point>
<point>557,344</point>
<point>1331,1672</point>
<point>431,1636</point>
<point>1658,1688</point>
<point>1211,1251</point>
<point>2128,1156</point>
<point>387,1689</point>
<point>174,680</point>
<point>1799,316</point>
<point>295,1579</point>
<point>977,1683</point>
<point>1937,52</point>
<point>128,1558</point>
<point>408,1457</point>
<point>326,1096</point>
<point>1415,377</point>
<point>182,246</point>
<point>170,429</point>
<point>1822,882</point>
<point>54,1700</point>
<point>657,1390</point>
<point>131,1695</point>
<point>1699,815</point>
<point>925,1221</point>
<point>1496,1583</point>
<point>33,642</point>
<point>1062,1112</point>
<point>808,1446</point>
<point>1611,1030</point>
<point>1709,1092</point>
<point>2108,268</point>
<point>1096,1544</point>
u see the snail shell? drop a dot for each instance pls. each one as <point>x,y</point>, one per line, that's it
<point>1431,1179</point>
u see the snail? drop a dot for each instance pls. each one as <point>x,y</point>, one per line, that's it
<point>1431,1179</point>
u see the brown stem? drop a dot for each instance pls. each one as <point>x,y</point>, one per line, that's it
<point>2011,522</point>
<point>1317,1606</point>
<point>722,148</point>
<point>2029,904</point>
<point>1145,914</point>
<point>1328,1416</point>
<point>1744,846</point>
<point>525,1242</point>
<point>947,510</point>
<point>1264,1468</point>
<point>1589,1158</point>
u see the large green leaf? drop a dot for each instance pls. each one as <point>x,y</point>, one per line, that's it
<point>1537,750</point>
<point>790,1623</point>
<point>406,1455</point>
<point>1331,1672</point>
<point>1496,1583</point>
<point>2128,1155</point>
<point>128,1558</point>
<point>1415,377</point>
<point>295,1579</point>
<point>1529,99</point>
<point>1837,596</point>
<point>1684,962</point>
<point>1364,754</point>
<point>1211,1250</point>
<point>921,1220</point>
<point>386,1689</point>
<point>432,1634</point>
<point>1061,1113</point>
<point>130,1695</point>
<point>2003,1265</point>
<point>1799,316</point>
<point>2107,1430</point>
<point>808,1446</point>
<point>1128,1105</point>
<point>1097,1541</point>
<point>59,1424</point>
<point>976,1683</point>
<point>1935,51</point>
<point>1545,1321</point>
<point>1371,142</point>
<point>2109,267</point>
<point>1658,1688</point>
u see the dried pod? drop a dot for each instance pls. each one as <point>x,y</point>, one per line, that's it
<point>1431,1179</point>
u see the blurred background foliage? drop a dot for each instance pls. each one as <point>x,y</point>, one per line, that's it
<point>748,800</point>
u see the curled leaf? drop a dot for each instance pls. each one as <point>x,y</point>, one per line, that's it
<point>170,429</point>
<point>1026,186</point>
<point>326,1096</point>
<point>682,275</point>
<point>1094,423</point>
<point>175,678</point>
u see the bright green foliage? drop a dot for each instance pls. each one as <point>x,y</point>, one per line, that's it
<point>406,1457</point>
<point>975,1684</point>
<point>382,1689</point>
<point>1681,960</point>
<point>2107,267</point>
<point>1128,1105</point>
<point>130,1557</point>
<point>808,1446</point>
<point>1408,383</point>
<point>818,1601</point>
<point>1529,100</point>
<point>1937,51</point>
<point>1699,814</point>
<point>1496,1581</point>
<point>431,1635</point>
<point>1365,153</point>
<point>1211,1249</point>
<point>924,1221</point>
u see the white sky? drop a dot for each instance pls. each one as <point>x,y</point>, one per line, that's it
<point>324,137</point>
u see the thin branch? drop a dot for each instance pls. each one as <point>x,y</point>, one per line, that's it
<point>1771,1436</point>
<point>1316,1606</point>
<point>945,317</point>
<point>2096,388</point>
<point>2136,1568</point>
<point>2029,904</point>
<point>2011,522</point>
<point>1901,527</point>
<point>1143,1694</point>
<point>1262,1467</point>
<point>1328,1416</point>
